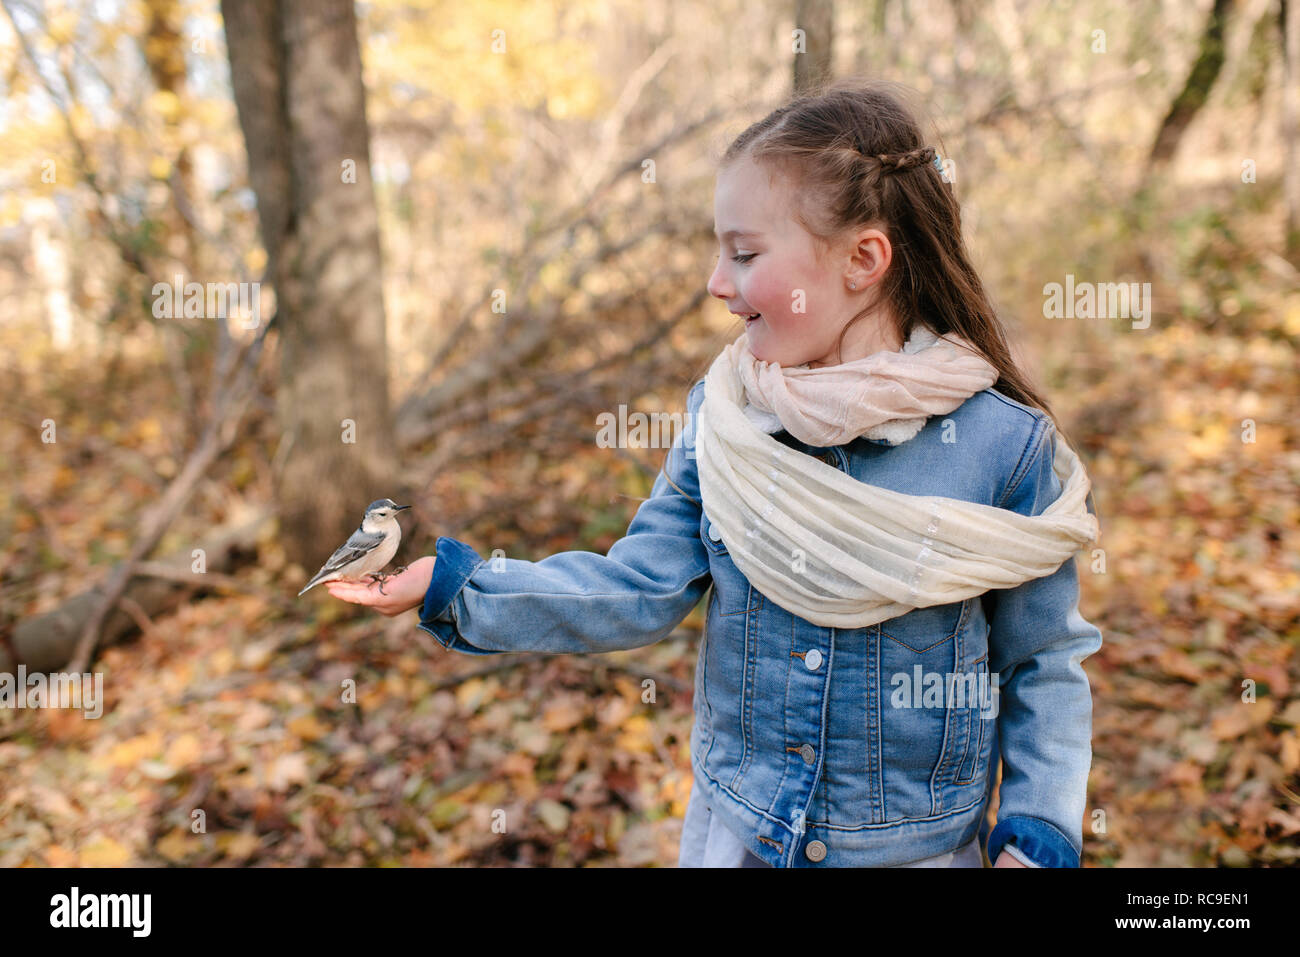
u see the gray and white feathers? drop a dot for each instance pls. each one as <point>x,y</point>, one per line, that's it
<point>368,549</point>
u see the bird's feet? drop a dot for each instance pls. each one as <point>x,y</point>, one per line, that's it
<point>381,578</point>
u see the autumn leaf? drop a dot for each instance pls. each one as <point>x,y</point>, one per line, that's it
<point>103,851</point>
<point>178,844</point>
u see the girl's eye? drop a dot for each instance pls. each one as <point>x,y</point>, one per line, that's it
<point>744,258</point>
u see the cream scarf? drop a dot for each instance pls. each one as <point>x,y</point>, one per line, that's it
<point>836,551</point>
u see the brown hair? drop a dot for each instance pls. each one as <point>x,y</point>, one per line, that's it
<point>855,155</point>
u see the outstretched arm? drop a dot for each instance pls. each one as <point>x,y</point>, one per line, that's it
<point>575,601</point>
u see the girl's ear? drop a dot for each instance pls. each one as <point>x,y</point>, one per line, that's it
<point>870,259</point>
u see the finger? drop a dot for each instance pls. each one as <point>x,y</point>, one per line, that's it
<point>360,584</point>
<point>350,591</point>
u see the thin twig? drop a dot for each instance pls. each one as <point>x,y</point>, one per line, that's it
<point>129,253</point>
<point>138,614</point>
<point>534,253</point>
<point>214,580</point>
<point>232,400</point>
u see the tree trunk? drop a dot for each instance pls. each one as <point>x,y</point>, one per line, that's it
<point>49,239</point>
<point>164,52</point>
<point>296,72</point>
<point>1209,62</point>
<point>1289,20</point>
<point>817,19</point>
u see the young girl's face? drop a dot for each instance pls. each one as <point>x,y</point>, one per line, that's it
<point>768,265</point>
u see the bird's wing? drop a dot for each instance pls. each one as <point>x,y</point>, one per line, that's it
<point>357,547</point>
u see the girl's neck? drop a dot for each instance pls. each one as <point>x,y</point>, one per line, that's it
<point>874,332</point>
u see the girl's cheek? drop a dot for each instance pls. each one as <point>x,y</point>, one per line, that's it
<point>771,296</point>
<point>787,304</point>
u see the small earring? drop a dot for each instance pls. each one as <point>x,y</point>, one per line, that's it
<point>853,285</point>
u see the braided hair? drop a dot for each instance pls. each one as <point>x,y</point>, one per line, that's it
<point>909,159</point>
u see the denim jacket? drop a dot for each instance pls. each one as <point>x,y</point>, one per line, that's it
<point>828,746</point>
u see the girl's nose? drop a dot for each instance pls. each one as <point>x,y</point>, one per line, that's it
<point>719,285</point>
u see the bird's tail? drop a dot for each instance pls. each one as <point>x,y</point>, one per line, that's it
<point>312,584</point>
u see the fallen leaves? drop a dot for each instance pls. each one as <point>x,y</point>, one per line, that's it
<point>287,770</point>
<point>555,761</point>
<point>102,851</point>
<point>1199,602</point>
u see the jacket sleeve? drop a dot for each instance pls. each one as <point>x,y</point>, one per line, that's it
<point>1037,643</point>
<point>581,601</point>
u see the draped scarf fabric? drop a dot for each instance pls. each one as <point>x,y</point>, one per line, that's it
<point>837,551</point>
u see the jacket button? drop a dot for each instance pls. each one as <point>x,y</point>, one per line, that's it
<point>815,851</point>
<point>813,660</point>
<point>714,533</point>
<point>808,754</point>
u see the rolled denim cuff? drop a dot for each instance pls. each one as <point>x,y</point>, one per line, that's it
<point>1036,841</point>
<point>456,563</point>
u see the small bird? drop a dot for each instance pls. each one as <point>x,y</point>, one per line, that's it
<point>370,547</point>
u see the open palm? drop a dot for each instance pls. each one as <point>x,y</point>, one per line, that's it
<point>400,593</point>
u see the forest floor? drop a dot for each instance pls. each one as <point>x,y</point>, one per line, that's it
<point>1191,436</point>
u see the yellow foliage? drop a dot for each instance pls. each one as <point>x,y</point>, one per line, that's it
<point>238,845</point>
<point>178,844</point>
<point>60,26</point>
<point>58,856</point>
<point>1292,325</point>
<point>166,102</point>
<point>184,750</point>
<point>221,661</point>
<point>132,751</point>
<point>1290,753</point>
<point>1210,443</point>
<point>307,727</point>
<point>148,429</point>
<point>637,735</point>
<point>104,852</point>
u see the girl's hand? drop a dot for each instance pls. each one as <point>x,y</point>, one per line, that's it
<point>401,592</point>
<point>1006,860</point>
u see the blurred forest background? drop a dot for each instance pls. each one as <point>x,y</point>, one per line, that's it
<point>503,265</point>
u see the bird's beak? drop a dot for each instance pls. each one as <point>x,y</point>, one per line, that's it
<point>400,507</point>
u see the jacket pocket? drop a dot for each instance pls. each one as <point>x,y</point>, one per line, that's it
<point>976,700</point>
<point>922,736</point>
<point>731,590</point>
<point>703,716</point>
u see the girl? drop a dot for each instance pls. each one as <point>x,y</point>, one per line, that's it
<point>882,511</point>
